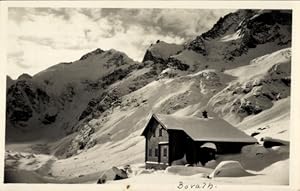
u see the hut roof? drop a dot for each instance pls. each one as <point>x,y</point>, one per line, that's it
<point>203,129</point>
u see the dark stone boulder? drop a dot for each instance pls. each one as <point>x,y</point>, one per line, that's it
<point>254,134</point>
<point>112,174</point>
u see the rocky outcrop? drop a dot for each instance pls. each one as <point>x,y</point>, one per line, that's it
<point>268,26</point>
<point>24,77</point>
<point>112,97</point>
<point>254,27</point>
<point>83,140</point>
<point>197,45</point>
<point>255,95</point>
<point>175,63</point>
<point>112,174</point>
<point>257,98</point>
<point>114,76</point>
<point>9,82</point>
<point>23,99</point>
<point>50,116</point>
<point>149,57</point>
<point>230,21</point>
<point>95,52</point>
<point>100,104</point>
<point>161,52</point>
<point>117,59</point>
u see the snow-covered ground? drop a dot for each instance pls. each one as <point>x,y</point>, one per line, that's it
<point>119,142</point>
<point>256,164</point>
<point>251,91</point>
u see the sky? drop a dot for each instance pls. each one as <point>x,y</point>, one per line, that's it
<point>41,37</point>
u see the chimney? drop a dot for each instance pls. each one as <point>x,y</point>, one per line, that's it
<point>204,114</point>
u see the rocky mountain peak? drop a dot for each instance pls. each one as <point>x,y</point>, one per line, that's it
<point>95,52</point>
<point>9,81</point>
<point>229,22</point>
<point>267,26</point>
<point>24,77</point>
<point>116,92</point>
<point>161,51</point>
<point>234,34</point>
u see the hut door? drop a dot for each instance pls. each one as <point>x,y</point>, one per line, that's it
<point>164,153</point>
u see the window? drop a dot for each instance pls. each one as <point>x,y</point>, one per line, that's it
<point>156,152</point>
<point>150,152</point>
<point>154,132</point>
<point>165,152</point>
<point>160,132</point>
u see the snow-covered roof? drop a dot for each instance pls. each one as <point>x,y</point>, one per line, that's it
<point>204,129</point>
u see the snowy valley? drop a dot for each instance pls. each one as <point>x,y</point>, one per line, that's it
<point>73,121</point>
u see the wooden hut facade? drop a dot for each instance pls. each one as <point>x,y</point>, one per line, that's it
<point>170,138</point>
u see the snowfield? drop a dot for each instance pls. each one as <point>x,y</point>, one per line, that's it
<point>74,121</point>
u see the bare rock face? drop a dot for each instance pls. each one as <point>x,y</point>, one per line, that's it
<point>149,57</point>
<point>177,64</point>
<point>24,77</point>
<point>267,26</point>
<point>257,94</point>
<point>9,82</point>
<point>31,99</point>
<point>161,51</point>
<point>254,27</point>
<point>230,21</point>
<point>83,140</point>
<point>261,28</point>
<point>227,23</point>
<point>112,97</point>
<point>68,94</point>
<point>197,45</point>
<point>24,99</point>
<point>49,118</point>
<point>255,99</point>
<point>97,51</point>
<point>261,95</point>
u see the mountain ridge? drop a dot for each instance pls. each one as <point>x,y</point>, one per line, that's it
<point>92,100</point>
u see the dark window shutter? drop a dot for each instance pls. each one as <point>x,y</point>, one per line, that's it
<point>165,152</point>
<point>160,132</point>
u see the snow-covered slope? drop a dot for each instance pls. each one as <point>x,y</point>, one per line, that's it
<point>96,64</point>
<point>256,87</point>
<point>90,113</point>
<point>59,97</point>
